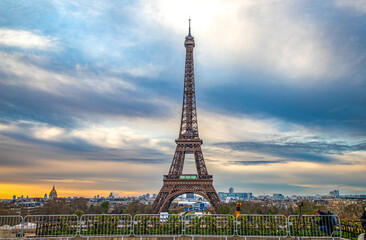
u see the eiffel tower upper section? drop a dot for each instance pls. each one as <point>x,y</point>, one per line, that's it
<point>189,125</point>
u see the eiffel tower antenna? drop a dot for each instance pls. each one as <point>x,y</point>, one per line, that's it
<point>189,31</point>
<point>188,142</point>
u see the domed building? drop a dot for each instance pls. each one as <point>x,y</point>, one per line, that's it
<point>53,193</point>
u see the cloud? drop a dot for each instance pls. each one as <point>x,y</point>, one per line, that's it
<point>149,70</point>
<point>315,151</point>
<point>274,36</point>
<point>89,143</point>
<point>26,39</point>
<point>280,88</point>
<point>32,90</point>
<point>355,5</point>
<point>247,163</point>
<point>20,71</point>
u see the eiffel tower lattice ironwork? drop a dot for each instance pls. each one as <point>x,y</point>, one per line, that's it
<point>188,142</point>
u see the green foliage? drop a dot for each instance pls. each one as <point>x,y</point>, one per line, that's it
<point>224,209</point>
<point>136,207</point>
<point>60,226</point>
<point>105,206</point>
<point>274,226</point>
<point>56,206</point>
<point>94,209</point>
<point>79,204</point>
<point>6,209</point>
<point>154,225</point>
<point>106,225</point>
<point>308,208</point>
<point>208,225</point>
<point>308,226</point>
<point>79,213</point>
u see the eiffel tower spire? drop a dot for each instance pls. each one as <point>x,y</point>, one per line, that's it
<point>188,142</point>
<point>189,29</point>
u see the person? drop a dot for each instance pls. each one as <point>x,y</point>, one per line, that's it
<point>363,223</point>
<point>326,222</point>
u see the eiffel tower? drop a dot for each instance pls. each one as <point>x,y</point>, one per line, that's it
<point>188,142</point>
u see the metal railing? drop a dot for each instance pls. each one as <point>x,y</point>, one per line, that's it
<point>169,225</point>
<point>50,226</point>
<point>314,226</point>
<point>352,229</point>
<point>254,225</point>
<point>11,227</point>
<point>149,225</point>
<point>103,225</point>
<point>209,225</point>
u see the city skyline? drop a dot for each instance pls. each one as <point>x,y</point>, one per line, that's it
<point>85,87</point>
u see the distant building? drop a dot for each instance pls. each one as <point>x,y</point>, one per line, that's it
<point>233,195</point>
<point>45,196</point>
<point>53,193</point>
<point>278,196</point>
<point>14,197</point>
<point>197,206</point>
<point>190,195</point>
<point>111,195</point>
<point>334,193</point>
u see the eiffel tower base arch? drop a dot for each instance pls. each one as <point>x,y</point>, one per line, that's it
<point>173,188</point>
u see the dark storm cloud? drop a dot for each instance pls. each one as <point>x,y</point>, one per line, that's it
<point>71,148</point>
<point>248,163</point>
<point>316,151</point>
<point>23,103</point>
<point>339,107</point>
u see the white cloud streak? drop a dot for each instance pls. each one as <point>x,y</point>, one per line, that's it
<point>251,34</point>
<point>26,39</point>
<point>23,72</point>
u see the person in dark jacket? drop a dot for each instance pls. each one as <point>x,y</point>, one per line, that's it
<point>326,222</point>
<point>363,223</point>
<point>363,220</point>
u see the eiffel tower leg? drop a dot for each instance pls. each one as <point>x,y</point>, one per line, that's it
<point>200,162</point>
<point>214,200</point>
<point>160,199</point>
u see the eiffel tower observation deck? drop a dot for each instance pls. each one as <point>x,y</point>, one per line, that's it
<point>176,183</point>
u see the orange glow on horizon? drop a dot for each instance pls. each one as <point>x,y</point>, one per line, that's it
<point>8,190</point>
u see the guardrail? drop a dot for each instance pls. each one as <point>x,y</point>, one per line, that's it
<point>324,226</point>
<point>209,225</point>
<point>169,225</point>
<point>11,227</point>
<point>254,225</point>
<point>50,226</point>
<point>352,229</point>
<point>155,225</point>
<point>103,225</point>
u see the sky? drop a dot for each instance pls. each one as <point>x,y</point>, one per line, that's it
<point>91,94</point>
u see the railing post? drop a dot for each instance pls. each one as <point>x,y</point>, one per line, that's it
<point>22,228</point>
